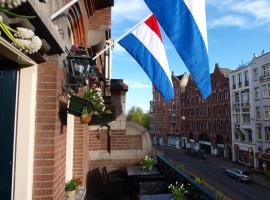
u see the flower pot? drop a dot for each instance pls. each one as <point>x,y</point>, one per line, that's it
<point>103,118</point>
<point>85,118</point>
<point>70,195</point>
<point>149,168</point>
<point>77,104</point>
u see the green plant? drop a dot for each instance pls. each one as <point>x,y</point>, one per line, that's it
<point>219,195</point>
<point>178,192</point>
<point>95,96</point>
<point>71,185</point>
<point>148,163</point>
<point>199,180</point>
<point>180,166</point>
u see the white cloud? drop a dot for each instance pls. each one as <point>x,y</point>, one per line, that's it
<point>259,9</point>
<point>242,13</point>
<point>132,10</point>
<point>137,85</point>
<point>229,20</point>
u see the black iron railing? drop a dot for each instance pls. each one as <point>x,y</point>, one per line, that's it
<point>195,190</point>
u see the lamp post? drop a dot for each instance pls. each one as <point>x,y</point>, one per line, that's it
<point>183,119</point>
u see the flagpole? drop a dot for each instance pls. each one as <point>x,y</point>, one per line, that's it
<point>61,10</point>
<point>122,36</point>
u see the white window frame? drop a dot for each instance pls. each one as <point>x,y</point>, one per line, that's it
<point>255,74</point>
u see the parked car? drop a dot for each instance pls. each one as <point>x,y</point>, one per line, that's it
<point>238,174</point>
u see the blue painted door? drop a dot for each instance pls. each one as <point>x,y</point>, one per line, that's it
<point>8,77</point>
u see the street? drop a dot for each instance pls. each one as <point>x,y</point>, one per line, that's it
<point>214,175</point>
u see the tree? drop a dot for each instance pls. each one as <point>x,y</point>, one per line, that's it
<point>137,115</point>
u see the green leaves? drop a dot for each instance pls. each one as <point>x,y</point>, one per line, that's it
<point>12,14</point>
<point>71,185</point>
<point>136,114</point>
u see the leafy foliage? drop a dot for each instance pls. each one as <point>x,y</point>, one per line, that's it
<point>199,180</point>
<point>148,163</point>
<point>95,96</point>
<point>177,191</point>
<point>180,165</point>
<point>71,185</point>
<point>136,114</point>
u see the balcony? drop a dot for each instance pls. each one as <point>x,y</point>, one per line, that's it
<point>245,104</point>
<point>265,78</point>
<point>132,186</point>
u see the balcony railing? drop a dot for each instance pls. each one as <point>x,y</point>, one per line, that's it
<point>195,190</point>
<point>265,78</point>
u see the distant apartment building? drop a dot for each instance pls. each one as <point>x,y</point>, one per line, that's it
<point>250,116</point>
<point>189,121</point>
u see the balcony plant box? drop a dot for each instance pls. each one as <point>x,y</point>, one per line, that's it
<point>77,104</point>
<point>104,118</point>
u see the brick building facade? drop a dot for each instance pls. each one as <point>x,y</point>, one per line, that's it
<point>192,121</point>
<point>45,146</point>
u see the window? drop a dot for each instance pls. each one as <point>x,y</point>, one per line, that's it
<point>266,90</point>
<point>257,93</point>
<point>246,118</point>
<point>237,97</point>
<point>218,97</point>
<point>246,78</point>
<point>226,95</point>
<point>234,82</point>
<point>255,74</point>
<point>258,113</point>
<point>259,133</point>
<point>249,136</point>
<point>245,96</point>
<point>266,70</point>
<point>267,133</point>
<point>266,110</point>
<point>239,80</point>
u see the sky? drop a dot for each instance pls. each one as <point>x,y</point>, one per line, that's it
<point>237,29</point>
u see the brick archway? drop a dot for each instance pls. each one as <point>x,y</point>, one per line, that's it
<point>77,26</point>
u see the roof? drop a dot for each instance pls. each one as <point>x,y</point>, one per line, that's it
<point>225,71</point>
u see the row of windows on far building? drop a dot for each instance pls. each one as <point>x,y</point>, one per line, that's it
<point>238,81</point>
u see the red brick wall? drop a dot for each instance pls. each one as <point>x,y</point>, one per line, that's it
<point>80,149</point>
<point>119,140</point>
<point>50,136</point>
<point>101,17</point>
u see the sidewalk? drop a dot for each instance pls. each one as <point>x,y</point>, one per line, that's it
<point>259,179</point>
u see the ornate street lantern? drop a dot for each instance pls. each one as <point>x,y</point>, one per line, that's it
<point>79,67</point>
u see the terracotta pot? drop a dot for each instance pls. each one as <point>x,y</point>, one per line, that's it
<point>86,118</point>
<point>70,195</point>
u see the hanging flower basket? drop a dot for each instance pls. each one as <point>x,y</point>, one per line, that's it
<point>77,105</point>
<point>105,117</point>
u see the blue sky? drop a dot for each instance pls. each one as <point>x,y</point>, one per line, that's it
<point>236,30</point>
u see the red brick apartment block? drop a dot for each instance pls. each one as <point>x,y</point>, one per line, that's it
<point>189,121</point>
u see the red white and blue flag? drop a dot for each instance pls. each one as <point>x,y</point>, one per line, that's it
<point>145,45</point>
<point>184,21</point>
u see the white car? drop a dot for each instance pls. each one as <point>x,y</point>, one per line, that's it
<point>238,174</point>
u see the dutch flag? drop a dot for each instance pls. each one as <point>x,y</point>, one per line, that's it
<point>184,22</point>
<point>144,44</point>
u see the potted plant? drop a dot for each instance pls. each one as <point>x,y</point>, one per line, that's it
<point>178,191</point>
<point>92,104</point>
<point>70,189</point>
<point>148,163</point>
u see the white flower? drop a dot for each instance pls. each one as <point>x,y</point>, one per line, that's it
<point>24,33</point>
<point>11,3</point>
<point>29,46</point>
